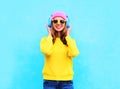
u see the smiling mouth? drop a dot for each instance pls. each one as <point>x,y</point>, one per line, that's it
<point>58,27</point>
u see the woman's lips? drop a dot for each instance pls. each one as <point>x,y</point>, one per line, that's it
<point>58,27</point>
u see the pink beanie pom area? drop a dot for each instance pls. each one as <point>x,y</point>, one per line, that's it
<point>59,14</point>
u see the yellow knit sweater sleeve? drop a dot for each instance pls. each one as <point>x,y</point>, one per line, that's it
<point>72,47</point>
<point>46,45</point>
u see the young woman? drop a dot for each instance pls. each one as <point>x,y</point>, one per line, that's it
<point>59,49</point>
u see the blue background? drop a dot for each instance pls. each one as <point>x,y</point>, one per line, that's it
<point>95,27</point>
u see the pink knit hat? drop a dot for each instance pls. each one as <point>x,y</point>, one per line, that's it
<point>59,14</point>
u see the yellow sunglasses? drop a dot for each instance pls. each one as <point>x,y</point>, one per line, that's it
<point>60,21</point>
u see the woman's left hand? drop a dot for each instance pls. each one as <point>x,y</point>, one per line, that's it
<point>69,30</point>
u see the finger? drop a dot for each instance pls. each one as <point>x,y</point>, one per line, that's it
<point>70,27</point>
<point>47,27</point>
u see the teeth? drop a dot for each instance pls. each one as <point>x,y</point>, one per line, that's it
<point>58,27</point>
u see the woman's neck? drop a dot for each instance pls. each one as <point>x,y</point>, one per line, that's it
<point>58,34</point>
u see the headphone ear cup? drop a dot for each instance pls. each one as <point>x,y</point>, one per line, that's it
<point>68,23</point>
<point>49,23</point>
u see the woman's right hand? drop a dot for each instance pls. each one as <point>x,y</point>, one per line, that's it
<point>48,29</point>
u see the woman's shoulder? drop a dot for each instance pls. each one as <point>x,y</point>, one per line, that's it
<point>46,37</point>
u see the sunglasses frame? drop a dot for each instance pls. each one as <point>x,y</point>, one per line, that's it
<point>55,21</point>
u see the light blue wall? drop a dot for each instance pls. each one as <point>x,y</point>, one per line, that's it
<point>96,28</point>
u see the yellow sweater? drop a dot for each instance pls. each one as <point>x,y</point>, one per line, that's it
<point>58,58</point>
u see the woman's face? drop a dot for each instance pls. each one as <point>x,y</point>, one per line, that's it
<point>58,23</point>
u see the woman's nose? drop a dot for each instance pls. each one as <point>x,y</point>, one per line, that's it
<point>58,22</point>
